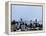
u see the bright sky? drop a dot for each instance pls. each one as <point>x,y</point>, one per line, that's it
<point>26,12</point>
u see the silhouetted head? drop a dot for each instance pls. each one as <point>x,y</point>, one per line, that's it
<point>21,19</point>
<point>35,20</point>
<point>13,22</point>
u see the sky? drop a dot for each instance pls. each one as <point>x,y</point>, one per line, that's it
<point>26,12</point>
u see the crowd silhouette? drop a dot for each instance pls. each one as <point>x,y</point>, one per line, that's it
<point>24,26</point>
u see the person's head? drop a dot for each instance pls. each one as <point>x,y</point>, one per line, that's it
<point>13,22</point>
<point>21,19</point>
<point>35,20</point>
